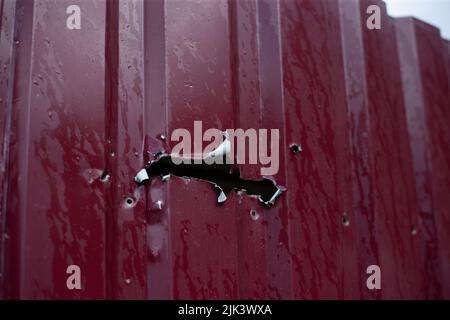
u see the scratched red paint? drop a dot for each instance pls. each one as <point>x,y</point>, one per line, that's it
<point>83,110</point>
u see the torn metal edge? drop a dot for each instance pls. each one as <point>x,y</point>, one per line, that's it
<point>274,197</point>
<point>141,176</point>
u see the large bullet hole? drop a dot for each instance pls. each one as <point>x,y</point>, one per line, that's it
<point>224,178</point>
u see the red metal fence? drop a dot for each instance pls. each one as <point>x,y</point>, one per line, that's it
<point>81,111</point>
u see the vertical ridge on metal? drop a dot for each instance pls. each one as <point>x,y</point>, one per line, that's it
<point>203,236</point>
<point>255,280</point>
<point>424,65</point>
<point>7,61</point>
<point>127,240</point>
<point>56,201</point>
<point>384,202</point>
<point>313,92</point>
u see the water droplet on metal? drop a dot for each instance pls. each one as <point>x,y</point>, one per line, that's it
<point>50,114</point>
<point>128,281</point>
<point>35,82</point>
<point>413,231</point>
<point>113,154</point>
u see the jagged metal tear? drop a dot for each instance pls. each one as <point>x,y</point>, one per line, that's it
<point>218,173</point>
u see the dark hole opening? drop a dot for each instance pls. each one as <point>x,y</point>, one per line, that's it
<point>296,149</point>
<point>223,176</point>
<point>254,214</point>
<point>345,221</point>
<point>105,176</point>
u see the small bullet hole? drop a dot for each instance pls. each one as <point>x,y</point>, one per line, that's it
<point>295,148</point>
<point>105,176</point>
<point>129,201</point>
<point>345,221</point>
<point>254,214</point>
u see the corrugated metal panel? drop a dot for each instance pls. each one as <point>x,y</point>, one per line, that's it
<point>382,185</point>
<point>427,95</point>
<point>83,110</point>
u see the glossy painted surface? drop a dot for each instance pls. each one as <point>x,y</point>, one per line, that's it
<point>424,64</point>
<point>82,111</point>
